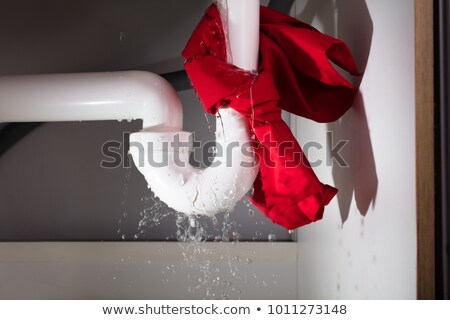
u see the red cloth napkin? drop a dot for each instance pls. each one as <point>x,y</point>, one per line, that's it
<point>294,74</point>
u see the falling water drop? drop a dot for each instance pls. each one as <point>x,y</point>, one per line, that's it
<point>207,121</point>
<point>182,181</point>
<point>192,221</point>
<point>271,237</point>
<point>227,283</point>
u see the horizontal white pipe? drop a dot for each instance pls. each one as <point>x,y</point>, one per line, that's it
<point>125,95</point>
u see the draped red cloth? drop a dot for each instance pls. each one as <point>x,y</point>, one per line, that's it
<point>294,74</point>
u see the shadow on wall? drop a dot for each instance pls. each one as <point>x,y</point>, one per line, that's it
<point>360,177</point>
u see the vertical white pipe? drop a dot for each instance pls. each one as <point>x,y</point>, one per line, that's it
<point>243,30</point>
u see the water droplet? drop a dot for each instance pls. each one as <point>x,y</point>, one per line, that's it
<point>182,181</point>
<point>122,36</point>
<point>206,117</point>
<point>192,221</point>
<point>272,237</point>
<point>291,231</point>
<point>251,212</point>
<point>248,261</point>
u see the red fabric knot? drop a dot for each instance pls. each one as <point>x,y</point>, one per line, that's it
<point>294,74</point>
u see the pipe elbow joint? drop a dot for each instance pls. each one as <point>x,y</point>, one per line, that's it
<point>163,159</point>
<point>157,91</point>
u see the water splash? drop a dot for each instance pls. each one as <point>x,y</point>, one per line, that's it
<point>208,122</point>
<point>152,216</point>
<point>201,265</point>
<point>124,201</point>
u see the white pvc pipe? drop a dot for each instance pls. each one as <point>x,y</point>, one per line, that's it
<point>142,95</point>
<point>198,191</point>
<point>243,33</point>
<point>125,95</point>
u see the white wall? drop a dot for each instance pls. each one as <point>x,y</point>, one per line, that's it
<point>365,247</point>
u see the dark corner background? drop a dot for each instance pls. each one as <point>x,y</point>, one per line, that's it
<point>442,122</point>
